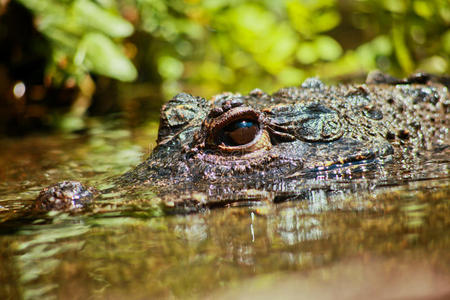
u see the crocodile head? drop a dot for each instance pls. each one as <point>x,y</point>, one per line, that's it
<point>262,141</point>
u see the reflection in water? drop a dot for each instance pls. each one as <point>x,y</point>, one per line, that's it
<point>193,231</point>
<point>109,256</point>
<point>40,254</point>
<point>295,226</point>
<point>318,201</point>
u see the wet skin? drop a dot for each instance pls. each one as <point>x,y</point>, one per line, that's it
<point>233,145</point>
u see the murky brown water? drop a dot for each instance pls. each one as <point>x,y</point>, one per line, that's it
<point>392,243</point>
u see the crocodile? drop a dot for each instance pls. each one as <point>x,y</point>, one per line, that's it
<point>241,148</point>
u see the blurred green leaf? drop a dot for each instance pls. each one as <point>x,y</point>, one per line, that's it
<point>312,17</point>
<point>434,64</point>
<point>382,45</point>
<point>446,41</point>
<point>170,67</point>
<point>397,6</point>
<point>103,57</point>
<point>255,30</point>
<point>369,52</point>
<point>423,8</point>
<point>306,53</point>
<point>401,50</point>
<point>291,76</point>
<point>91,15</point>
<point>326,21</point>
<point>327,48</point>
<point>444,10</point>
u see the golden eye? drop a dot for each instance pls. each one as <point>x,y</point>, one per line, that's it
<point>240,132</point>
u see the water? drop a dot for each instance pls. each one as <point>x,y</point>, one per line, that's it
<point>390,243</point>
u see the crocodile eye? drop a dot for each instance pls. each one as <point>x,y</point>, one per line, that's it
<point>240,132</point>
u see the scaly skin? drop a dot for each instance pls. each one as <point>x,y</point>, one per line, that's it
<point>273,143</point>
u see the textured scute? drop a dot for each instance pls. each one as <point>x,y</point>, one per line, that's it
<point>180,117</point>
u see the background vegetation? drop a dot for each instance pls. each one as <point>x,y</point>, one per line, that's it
<point>130,55</point>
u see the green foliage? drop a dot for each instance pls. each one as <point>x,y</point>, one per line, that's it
<point>207,46</point>
<point>85,37</point>
<point>98,53</point>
